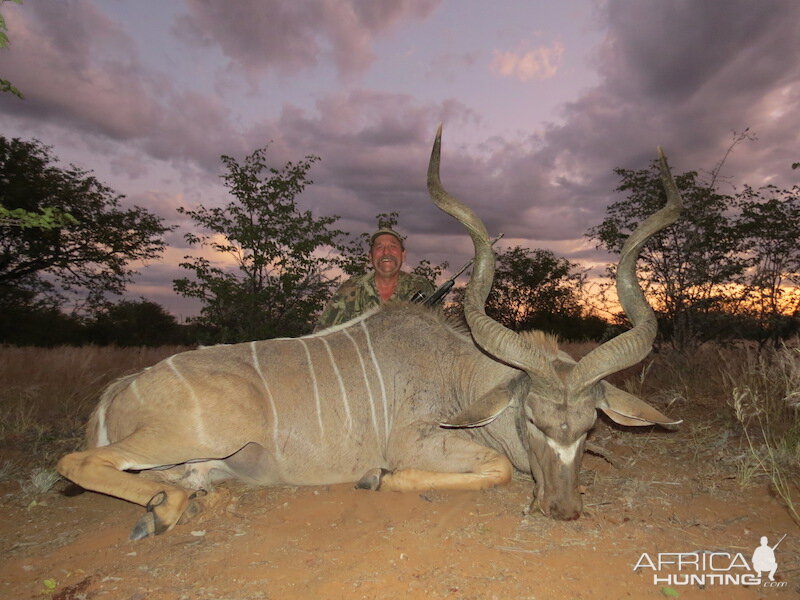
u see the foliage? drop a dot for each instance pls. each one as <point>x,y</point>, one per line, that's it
<point>723,268</point>
<point>136,323</point>
<point>278,254</point>
<point>5,85</point>
<point>535,289</point>
<point>532,286</point>
<point>35,321</point>
<point>89,239</point>
<point>47,218</point>
<point>686,266</point>
<point>29,318</point>
<point>428,270</point>
<point>769,223</point>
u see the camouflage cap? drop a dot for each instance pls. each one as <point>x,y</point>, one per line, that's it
<point>388,231</point>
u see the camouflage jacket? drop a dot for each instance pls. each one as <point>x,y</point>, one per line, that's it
<point>358,294</point>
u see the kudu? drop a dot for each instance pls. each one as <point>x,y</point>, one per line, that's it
<point>396,399</point>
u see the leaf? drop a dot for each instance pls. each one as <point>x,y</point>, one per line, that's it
<point>64,223</point>
<point>50,584</point>
<point>669,592</point>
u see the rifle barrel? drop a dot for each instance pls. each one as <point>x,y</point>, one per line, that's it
<point>778,542</point>
<point>445,288</point>
<point>472,260</point>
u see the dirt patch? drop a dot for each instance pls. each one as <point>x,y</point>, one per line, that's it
<point>671,493</point>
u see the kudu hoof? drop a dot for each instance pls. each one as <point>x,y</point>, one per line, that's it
<point>145,527</point>
<point>371,479</point>
<point>149,523</point>
<point>194,508</point>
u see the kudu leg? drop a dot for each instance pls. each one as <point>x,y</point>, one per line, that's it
<point>102,470</point>
<point>446,462</point>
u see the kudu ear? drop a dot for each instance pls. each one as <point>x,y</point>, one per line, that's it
<point>483,411</point>
<point>626,409</point>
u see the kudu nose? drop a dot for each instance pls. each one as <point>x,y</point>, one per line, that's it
<point>565,509</point>
<point>565,513</point>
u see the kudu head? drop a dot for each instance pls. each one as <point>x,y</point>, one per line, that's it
<point>556,400</point>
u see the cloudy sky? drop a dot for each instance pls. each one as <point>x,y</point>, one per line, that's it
<point>540,102</point>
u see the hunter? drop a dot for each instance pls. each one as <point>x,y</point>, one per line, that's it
<point>385,282</point>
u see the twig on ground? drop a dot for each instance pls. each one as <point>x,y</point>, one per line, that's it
<point>602,453</point>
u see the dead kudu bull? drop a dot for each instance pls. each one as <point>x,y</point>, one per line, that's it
<point>364,401</point>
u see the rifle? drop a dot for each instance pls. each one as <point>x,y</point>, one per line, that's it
<point>779,541</point>
<point>437,296</point>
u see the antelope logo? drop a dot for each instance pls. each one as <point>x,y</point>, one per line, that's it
<point>764,558</point>
<point>713,567</point>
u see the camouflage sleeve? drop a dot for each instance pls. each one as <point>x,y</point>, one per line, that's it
<point>330,313</point>
<point>426,286</point>
<point>340,308</point>
<point>417,283</point>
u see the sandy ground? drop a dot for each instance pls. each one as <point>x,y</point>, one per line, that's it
<point>676,492</point>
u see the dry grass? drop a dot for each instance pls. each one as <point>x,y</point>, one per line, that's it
<point>46,396</point>
<point>741,411</point>
<point>763,389</point>
<point>40,481</point>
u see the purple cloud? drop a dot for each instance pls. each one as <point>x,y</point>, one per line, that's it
<point>259,35</point>
<point>680,74</point>
<point>75,66</point>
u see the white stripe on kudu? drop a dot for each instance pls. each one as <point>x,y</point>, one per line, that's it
<point>102,432</point>
<point>366,383</point>
<point>380,378</point>
<point>316,387</point>
<point>341,385</point>
<point>135,389</point>
<point>269,397</point>
<point>198,417</point>
<point>566,454</point>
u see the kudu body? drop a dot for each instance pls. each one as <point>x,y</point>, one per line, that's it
<point>397,399</point>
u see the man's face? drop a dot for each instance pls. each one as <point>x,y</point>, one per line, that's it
<point>386,255</point>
